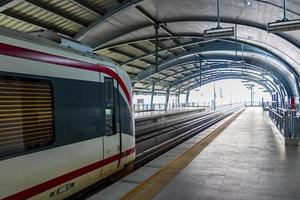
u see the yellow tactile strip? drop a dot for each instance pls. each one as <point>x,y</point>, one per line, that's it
<point>152,185</point>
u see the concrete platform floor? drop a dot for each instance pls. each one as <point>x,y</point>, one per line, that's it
<point>246,161</point>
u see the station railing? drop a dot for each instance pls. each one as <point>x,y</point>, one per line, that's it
<point>181,106</point>
<point>257,104</point>
<point>162,106</point>
<point>287,121</point>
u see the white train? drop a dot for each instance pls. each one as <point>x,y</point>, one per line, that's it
<point>66,118</point>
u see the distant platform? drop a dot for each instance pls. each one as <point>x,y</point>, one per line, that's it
<point>162,112</point>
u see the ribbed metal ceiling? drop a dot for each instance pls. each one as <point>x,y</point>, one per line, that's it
<point>120,30</point>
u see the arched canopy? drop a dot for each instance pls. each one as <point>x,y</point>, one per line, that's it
<point>181,44</point>
<point>124,30</point>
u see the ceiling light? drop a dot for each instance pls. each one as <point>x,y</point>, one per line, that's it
<point>284,24</point>
<point>218,33</point>
<point>288,25</point>
<point>245,81</point>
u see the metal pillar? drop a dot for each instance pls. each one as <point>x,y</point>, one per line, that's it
<point>284,11</point>
<point>178,97</point>
<point>251,96</point>
<point>218,13</point>
<point>277,102</point>
<point>167,99</point>
<point>152,97</point>
<point>215,96</point>
<point>200,72</point>
<point>187,98</point>
<point>156,27</point>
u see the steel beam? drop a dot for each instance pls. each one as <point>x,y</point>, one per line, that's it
<point>225,78</point>
<point>147,54</point>
<point>130,56</point>
<point>188,57</point>
<point>6,4</point>
<point>199,19</point>
<point>102,18</point>
<point>148,39</point>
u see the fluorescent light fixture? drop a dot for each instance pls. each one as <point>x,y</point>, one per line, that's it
<point>283,25</point>
<point>263,81</point>
<point>218,32</point>
<point>264,73</point>
<point>245,81</point>
<point>249,85</point>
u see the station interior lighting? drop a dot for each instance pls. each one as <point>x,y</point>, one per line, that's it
<point>284,25</point>
<point>249,85</point>
<point>245,81</point>
<point>218,32</point>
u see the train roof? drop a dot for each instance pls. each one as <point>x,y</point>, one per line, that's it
<point>56,47</point>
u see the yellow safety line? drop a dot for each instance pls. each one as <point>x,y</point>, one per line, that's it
<point>152,185</point>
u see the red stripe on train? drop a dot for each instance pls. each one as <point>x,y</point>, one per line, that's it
<point>33,191</point>
<point>20,52</point>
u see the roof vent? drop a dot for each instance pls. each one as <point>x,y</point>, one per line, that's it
<point>63,41</point>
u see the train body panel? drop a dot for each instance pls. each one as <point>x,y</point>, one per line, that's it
<point>89,135</point>
<point>42,166</point>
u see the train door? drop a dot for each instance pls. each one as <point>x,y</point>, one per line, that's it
<point>111,139</point>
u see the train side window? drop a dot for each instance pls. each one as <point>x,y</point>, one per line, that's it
<point>109,106</point>
<point>26,117</point>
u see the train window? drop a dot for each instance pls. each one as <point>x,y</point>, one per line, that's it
<point>26,119</point>
<point>109,106</point>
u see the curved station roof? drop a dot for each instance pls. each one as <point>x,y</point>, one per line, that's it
<point>160,43</point>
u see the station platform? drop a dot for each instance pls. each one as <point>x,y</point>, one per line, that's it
<point>246,161</point>
<point>241,157</point>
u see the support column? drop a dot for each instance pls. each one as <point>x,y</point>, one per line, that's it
<point>167,99</point>
<point>215,96</point>
<point>187,98</point>
<point>277,100</point>
<point>156,27</point>
<point>178,97</point>
<point>284,11</point>
<point>252,96</point>
<point>152,97</point>
<point>218,13</point>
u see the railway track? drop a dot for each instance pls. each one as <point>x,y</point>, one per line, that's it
<point>155,139</point>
